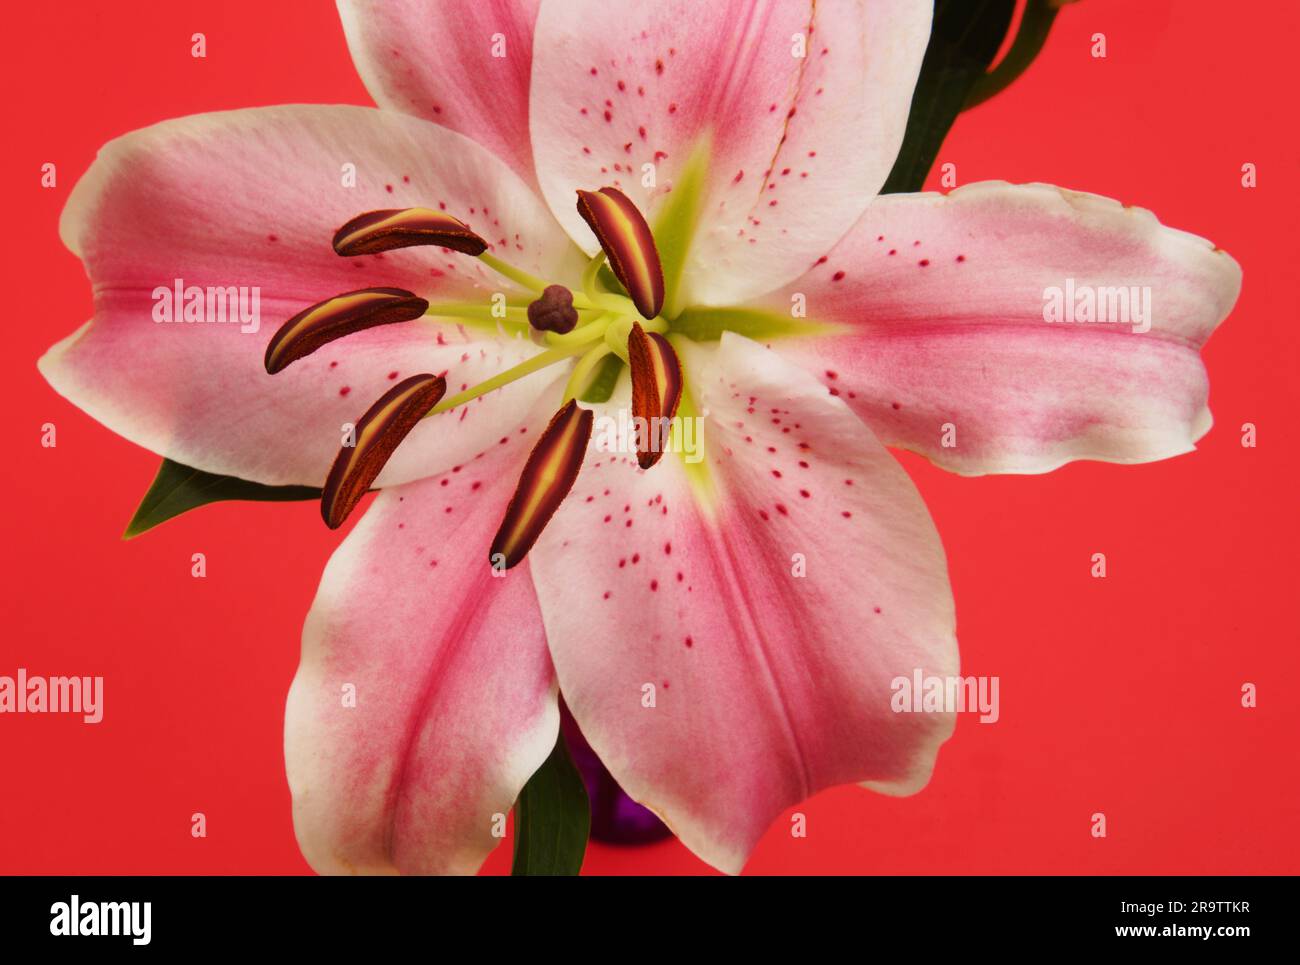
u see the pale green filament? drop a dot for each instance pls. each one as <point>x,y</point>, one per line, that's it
<point>616,337</point>
<point>608,301</point>
<point>527,367</point>
<point>582,371</point>
<point>617,332</point>
<point>583,333</point>
<point>589,276</point>
<point>582,300</point>
<point>531,282</point>
<point>602,299</point>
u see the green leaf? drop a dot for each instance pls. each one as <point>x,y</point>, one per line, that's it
<point>552,818</point>
<point>178,489</point>
<point>964,39</point>
<point>1035,24</point>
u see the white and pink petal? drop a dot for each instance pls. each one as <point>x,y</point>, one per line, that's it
<point>465,64</point>
<point>798,107</point>
<point>425,698</point>
<point>767,618</point>
<point>250,200</point>
<point>945,347</point>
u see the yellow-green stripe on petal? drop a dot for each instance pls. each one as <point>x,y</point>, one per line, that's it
<point>629,245</point>
<point>377,435</point>
<point>548,476</point>
<point>338,316</point>
<point>656,392</point>
<point>404,227</point>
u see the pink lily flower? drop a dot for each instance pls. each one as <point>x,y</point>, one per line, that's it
<point>725,632</point>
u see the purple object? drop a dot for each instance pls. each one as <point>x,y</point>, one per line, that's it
<point>615,817</point>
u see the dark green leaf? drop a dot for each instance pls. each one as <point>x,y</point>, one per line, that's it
<point>1035,24</point>
<point>964,40</point>
<point>552,818</point>
<point>178,489</point>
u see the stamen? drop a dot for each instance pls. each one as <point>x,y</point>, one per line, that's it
<point>378,433</point>
<point>656,392</point>
<point>527,367</point>
<point>342,315</point>
<point>616,336</point>
<point>548,476</point>
<point>620,330</point>
<point>516,275</point>
<point>589,275</point>
<point>627,240</point>
<point>591,295</point>
<point>554,311</point>
<point>402,228</point>
<point>580,378</point>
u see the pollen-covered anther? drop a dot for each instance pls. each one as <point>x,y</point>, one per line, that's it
<point>553,311</point>
<point>547,478</point>
<point>404,228</point>
<point>656,392</point>
<point>628,243</point>
<point>378,433</point>
<point>339,316</point>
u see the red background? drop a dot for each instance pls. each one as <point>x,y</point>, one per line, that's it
<point>1119,695</point>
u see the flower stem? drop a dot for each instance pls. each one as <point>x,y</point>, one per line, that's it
<point>1035,24</point>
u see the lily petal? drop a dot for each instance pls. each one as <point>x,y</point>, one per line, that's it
<point>425,698</point>
<point>768,685</point>
<point>250,199</point>
<point>798,107</point>
<point>462,65</point>
<point>943,297</point>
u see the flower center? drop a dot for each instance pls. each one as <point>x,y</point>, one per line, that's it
<point>585,326</point>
